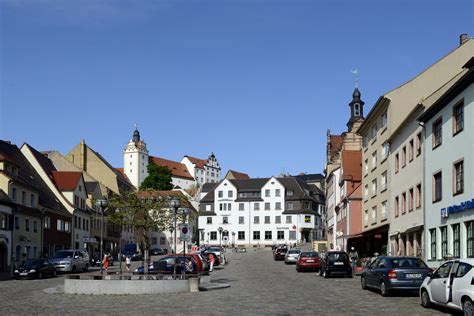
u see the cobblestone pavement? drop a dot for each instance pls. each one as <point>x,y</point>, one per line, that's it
<point>259,285</point>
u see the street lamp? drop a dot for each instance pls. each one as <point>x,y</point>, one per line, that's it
<point>220,229</point>
<point>102,204</point>
<point>185,212</point>
<point>175,203</point>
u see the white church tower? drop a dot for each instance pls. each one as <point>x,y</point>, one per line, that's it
<point>135,160</point>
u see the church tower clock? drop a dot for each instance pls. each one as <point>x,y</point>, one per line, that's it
<point>135,159</point>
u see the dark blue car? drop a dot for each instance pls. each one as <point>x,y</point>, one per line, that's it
<point>394,273</point>
<point>166,265</point>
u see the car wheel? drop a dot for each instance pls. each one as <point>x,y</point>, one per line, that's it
<point>425,299</point>
<point>467,307</point>
<point>40,275</point>
<point>363,283</point>
<point>383,289</point>
<point>326,274</point>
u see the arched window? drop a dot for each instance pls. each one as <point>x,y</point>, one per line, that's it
<point>356,109</point>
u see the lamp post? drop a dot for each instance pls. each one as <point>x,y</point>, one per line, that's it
<point>175,203</point>
<point>102,203</point>
<point>220,229</point>
<point>185,212</point>
<point>117,211</point>
<point>233,239</point>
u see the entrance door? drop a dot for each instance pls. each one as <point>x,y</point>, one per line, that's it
<point>3,258</point>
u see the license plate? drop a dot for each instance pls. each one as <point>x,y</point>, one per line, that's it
<point>338,263</point>
<point>23,273</point>
<point>309,260</point>
<point>413,275</point>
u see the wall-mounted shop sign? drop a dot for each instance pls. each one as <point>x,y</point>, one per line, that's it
<point>457,208</point>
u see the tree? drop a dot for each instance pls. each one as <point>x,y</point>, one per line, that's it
<point>159,178</point>
<point>144,211</point>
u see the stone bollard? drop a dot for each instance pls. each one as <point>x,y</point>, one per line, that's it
<point>194,284</point>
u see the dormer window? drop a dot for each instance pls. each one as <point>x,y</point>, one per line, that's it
<point>289,193</point>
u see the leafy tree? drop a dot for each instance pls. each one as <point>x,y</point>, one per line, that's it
<point>144,211</point>
<point>159,178</point>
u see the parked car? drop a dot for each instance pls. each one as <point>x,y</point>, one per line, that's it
<point>141,269</point>
<point>451,285</point>
<point>280,254</point>
<point>71,260</point>
<point>308,260</point>
<point>157,251</point>
<point>35,268</point>
<point>218,254</point>
<point>291,255</point>
<point>388,274</point>
<point>166,264</point>
<point>133,251</point>
<point>335,263</point>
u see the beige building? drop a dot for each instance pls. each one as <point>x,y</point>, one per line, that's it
<point>384,119</point>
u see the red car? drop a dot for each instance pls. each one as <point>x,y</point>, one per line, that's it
<point>308,261</point>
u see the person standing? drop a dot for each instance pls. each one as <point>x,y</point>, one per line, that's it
<point>211,261</point>
<point>105,263</point>
<point>353,256</point>
<point>128,263</point>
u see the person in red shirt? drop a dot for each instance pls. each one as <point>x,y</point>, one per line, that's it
<point>105,263</point>
<point>211,261</point>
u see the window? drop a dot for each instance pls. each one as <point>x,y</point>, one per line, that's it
<point>384,119</point>
<point>241,235</point>
<point>456,241</point>
<point>230,194</point>
<point>4,221</point>
<point>404,202</point>
<point>213,235</point>
<point>277,192</point>
<point>32,200</point>
<point>292,235</point>
<point>256,235</point>
<point>277,219</point>
<point>374,132</point>
<point>288,219</point>
<point>384,210</point>
<point>444,241</point>
<point>458,177</point>
<point>289,205</point>
<point>267,193</point>
<point>397,206</point>
<point>229,206</point>
<point>366,192</point>
<point>289,193</point>
<point>356,109</point>
<point>221,194</point>
<point>374,214</point>
<point>410,150</point>
<point>27,224</point>
<point>267,219</point>
<point>385,149</point>
<point>280,234</point>
<point>418,195</point>
<point>268,235</point>
<point>47,222</point>
<point>433,243</point>
<point>307,219</point>
<point>374,160</point>
<point>437,187</point>
<point>307,205</point>
<point>267,206</point>
<point>437,133</point>
<point>470,239</point>
<point>17,223</point>
<point>23,197</point>
<point>410,199</point>
<point>404,156</point>
<point>458,118</point>
<point>418,144</point>
<point>365,141</point>
<point>366,167</point>
<point>225,220</point>
<point>208,207</point>
<point>241,206</point>
<point>14,194</point>
<point>35,226</point>
<point>278,206</point>
<point>384,181</point>
<point>397,162</point>
<point>366,217</point>
<point>374,187</point>
<point>256,206</point>
<point>241,219</point>
<point>209,220</point>
<point>67,226</point>
<point>256,220</point>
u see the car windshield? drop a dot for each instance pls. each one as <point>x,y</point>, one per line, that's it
<point>63,254</point>
<point>335,256</point>
<point>214,249</point>
<point>408,263</point>
<point>33,263</point>
<point>293,251</point>
<point>309,254</point>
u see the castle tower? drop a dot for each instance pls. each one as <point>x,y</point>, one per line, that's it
<point>135,160</point>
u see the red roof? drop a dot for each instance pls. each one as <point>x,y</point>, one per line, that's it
<point>66,180</point>
<point>122,172</point>
<point>335,144</point>
<point>177,169</point>
<point>352,165</point>
<point>200,163</point>
<point>239,175</point>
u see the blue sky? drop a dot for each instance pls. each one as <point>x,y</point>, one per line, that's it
<point>256,82</point>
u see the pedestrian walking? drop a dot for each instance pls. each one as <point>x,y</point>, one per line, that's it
<point>128,263</point>
<point>211,261</point>
<point>105,263</point>
<point>353,256</point>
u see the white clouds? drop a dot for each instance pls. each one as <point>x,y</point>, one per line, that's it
<point>88,11</point>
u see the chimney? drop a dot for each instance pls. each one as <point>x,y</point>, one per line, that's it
<point>463,38</point>
<point>83,163</point>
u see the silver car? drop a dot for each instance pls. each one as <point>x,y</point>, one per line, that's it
<point>72,260</point>
<point>292,256</point>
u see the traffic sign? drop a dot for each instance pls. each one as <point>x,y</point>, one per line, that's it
<point>185,234</point>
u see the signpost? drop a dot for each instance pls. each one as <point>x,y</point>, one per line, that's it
<point>184,237</point>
